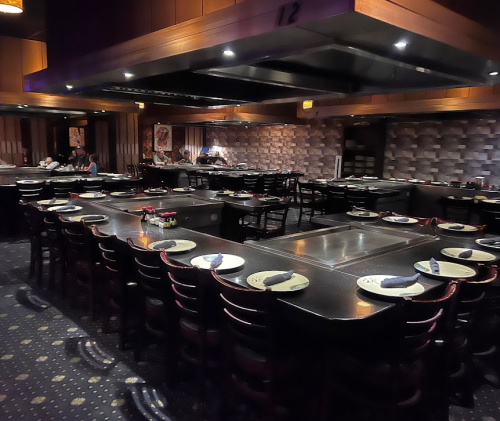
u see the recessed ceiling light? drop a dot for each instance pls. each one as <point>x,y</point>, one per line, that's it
<point>352,115</point>
<point>159,123</point>
<point>493,73</point>
<point>238,105</point>
<point>19,106</point>
<point>401,45</point>
<point>228,53</point>
<point>128,75</point>
<point>103,111</point>
<point>65,118</point>
<point>69,87</point>
<point>25,105</point>
<point>11,6</point>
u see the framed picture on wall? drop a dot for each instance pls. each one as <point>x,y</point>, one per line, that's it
<point>76,136</point>
<point>162,138</point>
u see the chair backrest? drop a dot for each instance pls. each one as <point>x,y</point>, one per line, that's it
<point>61,189</point>
<point>131,168</point>
<point>456,209</point>
<point>269,183</point>
<point>37,217</point>
<point>360,198</point>
<point>277,216</point>
<point>52,227</point>
<point>490,216</point>
<point>75,241</point>
<point>336,199</point>
<point>250,182</point>
<point>28,218</point>
<point>192,178</point>
<point>309,192</point>
<point>93,185</point>
<point>282,185</point>
<point>193,297</point>
<point>203,179</point>
<point>216,181</point>
<point>148,270</point>
<point>31,190</point>
<point>130,184</point>
<point>424,319</point>
<point>248,314</point>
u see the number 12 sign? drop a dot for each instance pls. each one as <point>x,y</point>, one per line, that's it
<point>288,14</point>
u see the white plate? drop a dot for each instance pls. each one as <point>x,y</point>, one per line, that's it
<point>155,192</point>
<point>270,199</point>
<point>488,246</point>
<point>477,255</point>
<point>395,220</point>
<point>56,203</point>
<point>356,214</point>
<point>122,194</point>
<point>103,173</point>
<point>92,195</point>
<point>225,193</point>
<point>369,178</point>
<point>61,180</point>
<point>182,245</point>
<point>447,270</point>
<point>460,197</point>
<point>241,196</point>
<point>55,209</point>
<point>466,228</point>
<point>119,178</point>
<point>296,283</point>
<point>29,181</point>
<point>321,180</point>
<point>182,190</point>
<point>491,201</point>
<point>78,218</point>
<point>229,261</point>
<point>372,284</point>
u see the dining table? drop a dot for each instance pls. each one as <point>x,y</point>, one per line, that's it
<point>332,305</point>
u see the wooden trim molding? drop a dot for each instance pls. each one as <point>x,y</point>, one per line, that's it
<point>226,117</point>
<point>66,102</point>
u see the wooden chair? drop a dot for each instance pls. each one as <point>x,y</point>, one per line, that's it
<point>311,200</point>
<point>282,186</point>
<point>157,308</point>
<point>132,184</point>
<point>29,230</point>
<point>269,225</point>
<point>198,320</point>
<point>250,182</point>
<point>216,181</point>
<point>360,199</point>
<point>62,189</point>
<point>92,185</point>
<point>121,296</point>
<point>293,180</point>
<point>131,169</point>
<point>336,200</point>
<point>204,180</point>
<point>31,191</point>
<point>81,264</point>
<point>192,176</point>
<point>54,243</point>
<point>269,183</point>
<point>490,216</point>
<point>262,359</point>
<point>407,367</point>
<point>456,209</point>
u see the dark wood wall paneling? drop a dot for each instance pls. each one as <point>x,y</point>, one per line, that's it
<point>101,128</point>
<point>11,140</point>
<point>117,21</point>
<point>127,145</point>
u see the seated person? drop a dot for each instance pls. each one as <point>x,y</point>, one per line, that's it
<point>50,164</point>
<point>160,158</point>
<point>185,158</point>
<point>92,168</point>
<point>72,158</point>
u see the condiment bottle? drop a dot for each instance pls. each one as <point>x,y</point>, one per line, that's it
<point>173,220</point>
<point>144,214</point>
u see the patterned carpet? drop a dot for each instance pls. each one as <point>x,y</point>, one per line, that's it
<point>57,365</point>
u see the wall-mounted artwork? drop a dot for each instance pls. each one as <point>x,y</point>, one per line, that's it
<point>162,137</point>
<point>76,136</point>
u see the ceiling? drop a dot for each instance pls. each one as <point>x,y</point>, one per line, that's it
<point>28,25</point>
<point>330,50</point>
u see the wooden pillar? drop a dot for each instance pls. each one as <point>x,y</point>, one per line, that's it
<point>127,140</point>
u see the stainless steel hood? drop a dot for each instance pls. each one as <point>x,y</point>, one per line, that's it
<point>285,51</point>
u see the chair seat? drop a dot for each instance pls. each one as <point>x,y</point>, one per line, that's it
<point>191,332</point>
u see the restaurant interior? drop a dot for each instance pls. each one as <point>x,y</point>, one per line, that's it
<point>249,210</point>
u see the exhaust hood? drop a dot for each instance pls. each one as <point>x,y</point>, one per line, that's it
<point>267,51</point>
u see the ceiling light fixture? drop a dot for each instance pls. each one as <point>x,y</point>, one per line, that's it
<point>19,106</point>
<point>493,73</point>
<point>401,45</point>
<point>128,75</point>
<point>25,105</point>
<point>69,87</point>
<point>228,53</point>
<point>11,6</point>
<point>103,111</point>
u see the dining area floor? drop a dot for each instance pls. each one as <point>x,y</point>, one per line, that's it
<point>58,365</point>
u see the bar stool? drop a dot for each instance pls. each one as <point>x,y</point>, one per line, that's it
<point>62,188</point>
